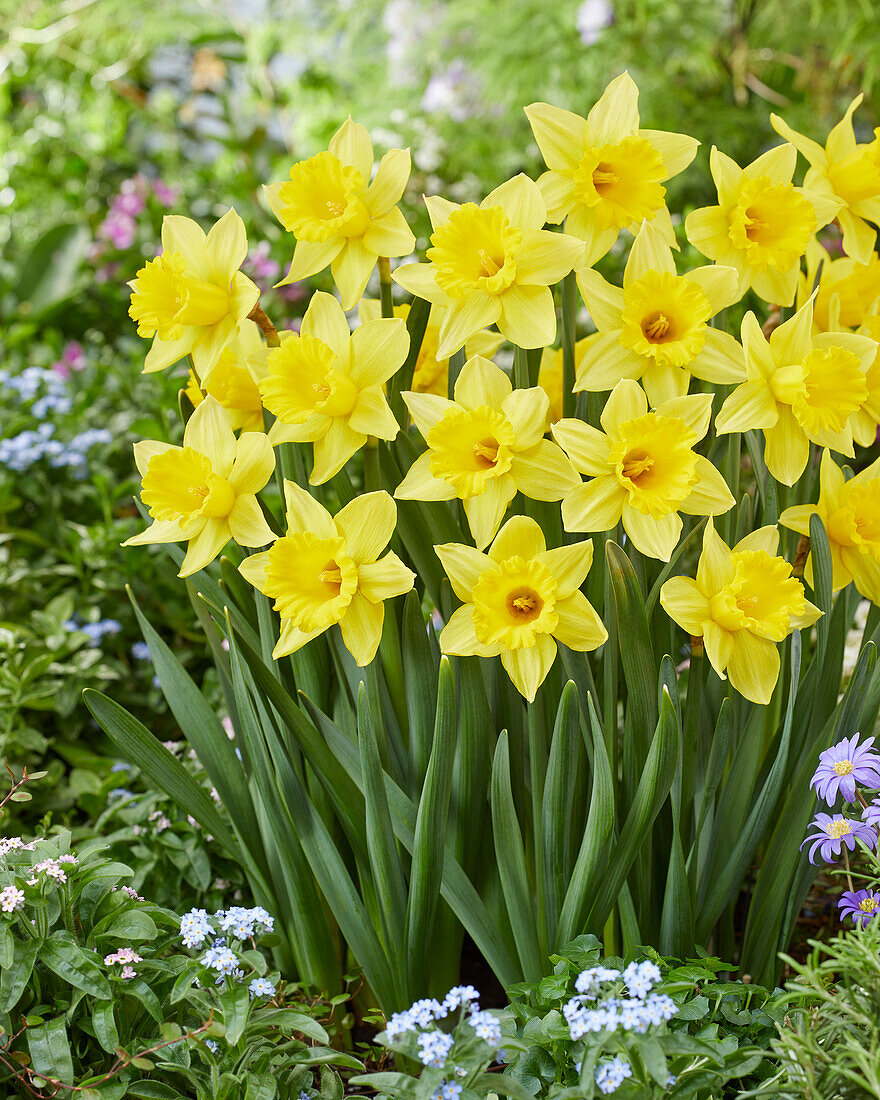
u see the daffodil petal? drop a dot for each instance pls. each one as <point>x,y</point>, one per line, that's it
<point>546,257</point>
<point>710,495</point>
<point>543,472</point>
<point>161,531</point>
<point>204,547</point>
<point>458,638</point>
<point>351,144</point>
<point>762,538</point>
<point>485,512</point>
<point>694,410</point>
<point>528,668</point>
<point>419,280</point>
<point>606,362</point>
<point>569,565</point>
<point>810,149</point>
<point>520,199</point>
<point>649,252</point>
<point>786,447</point>
<point>519,537</point>
<point>708,231</point>
<point>387,186</point>
<point>291,638</point>
<point>254,463</point>
<point>226,247</point>
<point>304,513</point>
<point>626,401</point>
<point>351,271</point>
<point>616,114</point>
<point>603,300</point>
<point>165,353</point>
<point>676,150</point>
<point>310,257</point>
<point>685,604</point>
<point>753,667</point>
<point>384,579</point>
<point>750,406</point>
<point>585,445</point>
<point>389,234</point>
<point>372,415</point>
<point>480,383</point>
<point>719,284</point>
<point>367,524</point>
<point>560,135</point>
<point>420,483</point>
<point>426,409</point>
<point>247,524</point>
<point>595,506</point>
<point>464,566</point>
<point>557,191</point>
<point>528,317</point>
<point>208,432</point>
<point>579,627</point>
<point>463,319</point>
<point>719,646</point>
<point>720,360</point>
<point>334,449</point>
<point>378,349</point>
<point>790,342</point>
<point>715,567</point>
<point>527,411</point>
<point>656,538</point>
<point>183,235</point>
<point>361,628</point>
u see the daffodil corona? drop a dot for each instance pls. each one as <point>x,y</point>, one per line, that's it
<point>204,493</point>
<point>800,389</point>
<point>846,172</point>
<point>339,216</point>
<point>326,570</point>
<point>326,384</point>
<point>656,328</point>
<point>485,446</point>
<point>762,223</point>
<point>850,513</point>
<point>519,599</point>
<point>643,469</point>
<point>742,604</point>
<point>605,172</point>
<point>192,298</point>
<point>492,264</point>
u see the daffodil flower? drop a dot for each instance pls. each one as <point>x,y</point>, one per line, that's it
<point>327,570</point>
<point>431,374</point>
<point>519,600</point>
<point>800,389</point>
<point>850,513</point>
<point>762,224</point>
<point>232,384</point>
<point>643,469</point>
<point>656,327</point>
<point>855,286</point>
<point>192,298</point>
<point>327,385</point>
<point>492,264</point>
<point>606,173</point>
<point>338,216</point>
<point>204,492</point>
<point>485,446</point>
<point>847,172</point>
<point>742,603</point>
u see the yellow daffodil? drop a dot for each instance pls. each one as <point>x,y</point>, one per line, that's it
<point>643,469</point>
<point>550,375</point>
<point>338,216</point>
<point>232,384</point>
<point>327,385</point>
<point>204,492</point>
<point>493,264</point>
<point>846,172</point>
<point>762,224</point>
<point>800,389</point>
<point>865,422</point>
<point>605,173</point>
<point>485,446</point>
<point>855,286</point>
<point>656,327</point>
<point>850,513</point>
<point>327,570</point>
<point>743,602</point>
<point>517,599</point>
<point>431,375</point>
<point>192,298</point>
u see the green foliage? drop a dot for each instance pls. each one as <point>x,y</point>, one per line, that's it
<point>148,1021</point>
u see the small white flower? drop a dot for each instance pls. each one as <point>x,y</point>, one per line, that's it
<point>11,898</point>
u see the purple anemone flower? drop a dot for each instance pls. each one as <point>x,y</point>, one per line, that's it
<point>871,813</point>
<point>833,832</point>
<point>843,766</point>
<point>861,905</point>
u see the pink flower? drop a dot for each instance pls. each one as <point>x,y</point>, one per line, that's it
<point>119,229</point>
<point>166,195</point>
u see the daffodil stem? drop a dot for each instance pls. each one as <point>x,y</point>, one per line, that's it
<point>455,364</point>
<point>273,340</point>
<point>372,476</point>
<point>569,310</point>
<point>520,368</point>
<point>384,265</point>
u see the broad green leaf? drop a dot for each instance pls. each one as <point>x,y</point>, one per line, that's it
<point>236,1006</point>
<point>14,978</point>
<point>429,844</point>
<point>50,1050</point>
<point>105,1025</point>
<point>63,955</point>
<point>556,810</point>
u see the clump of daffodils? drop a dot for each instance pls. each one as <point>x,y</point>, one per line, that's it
<point>620,433</point>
